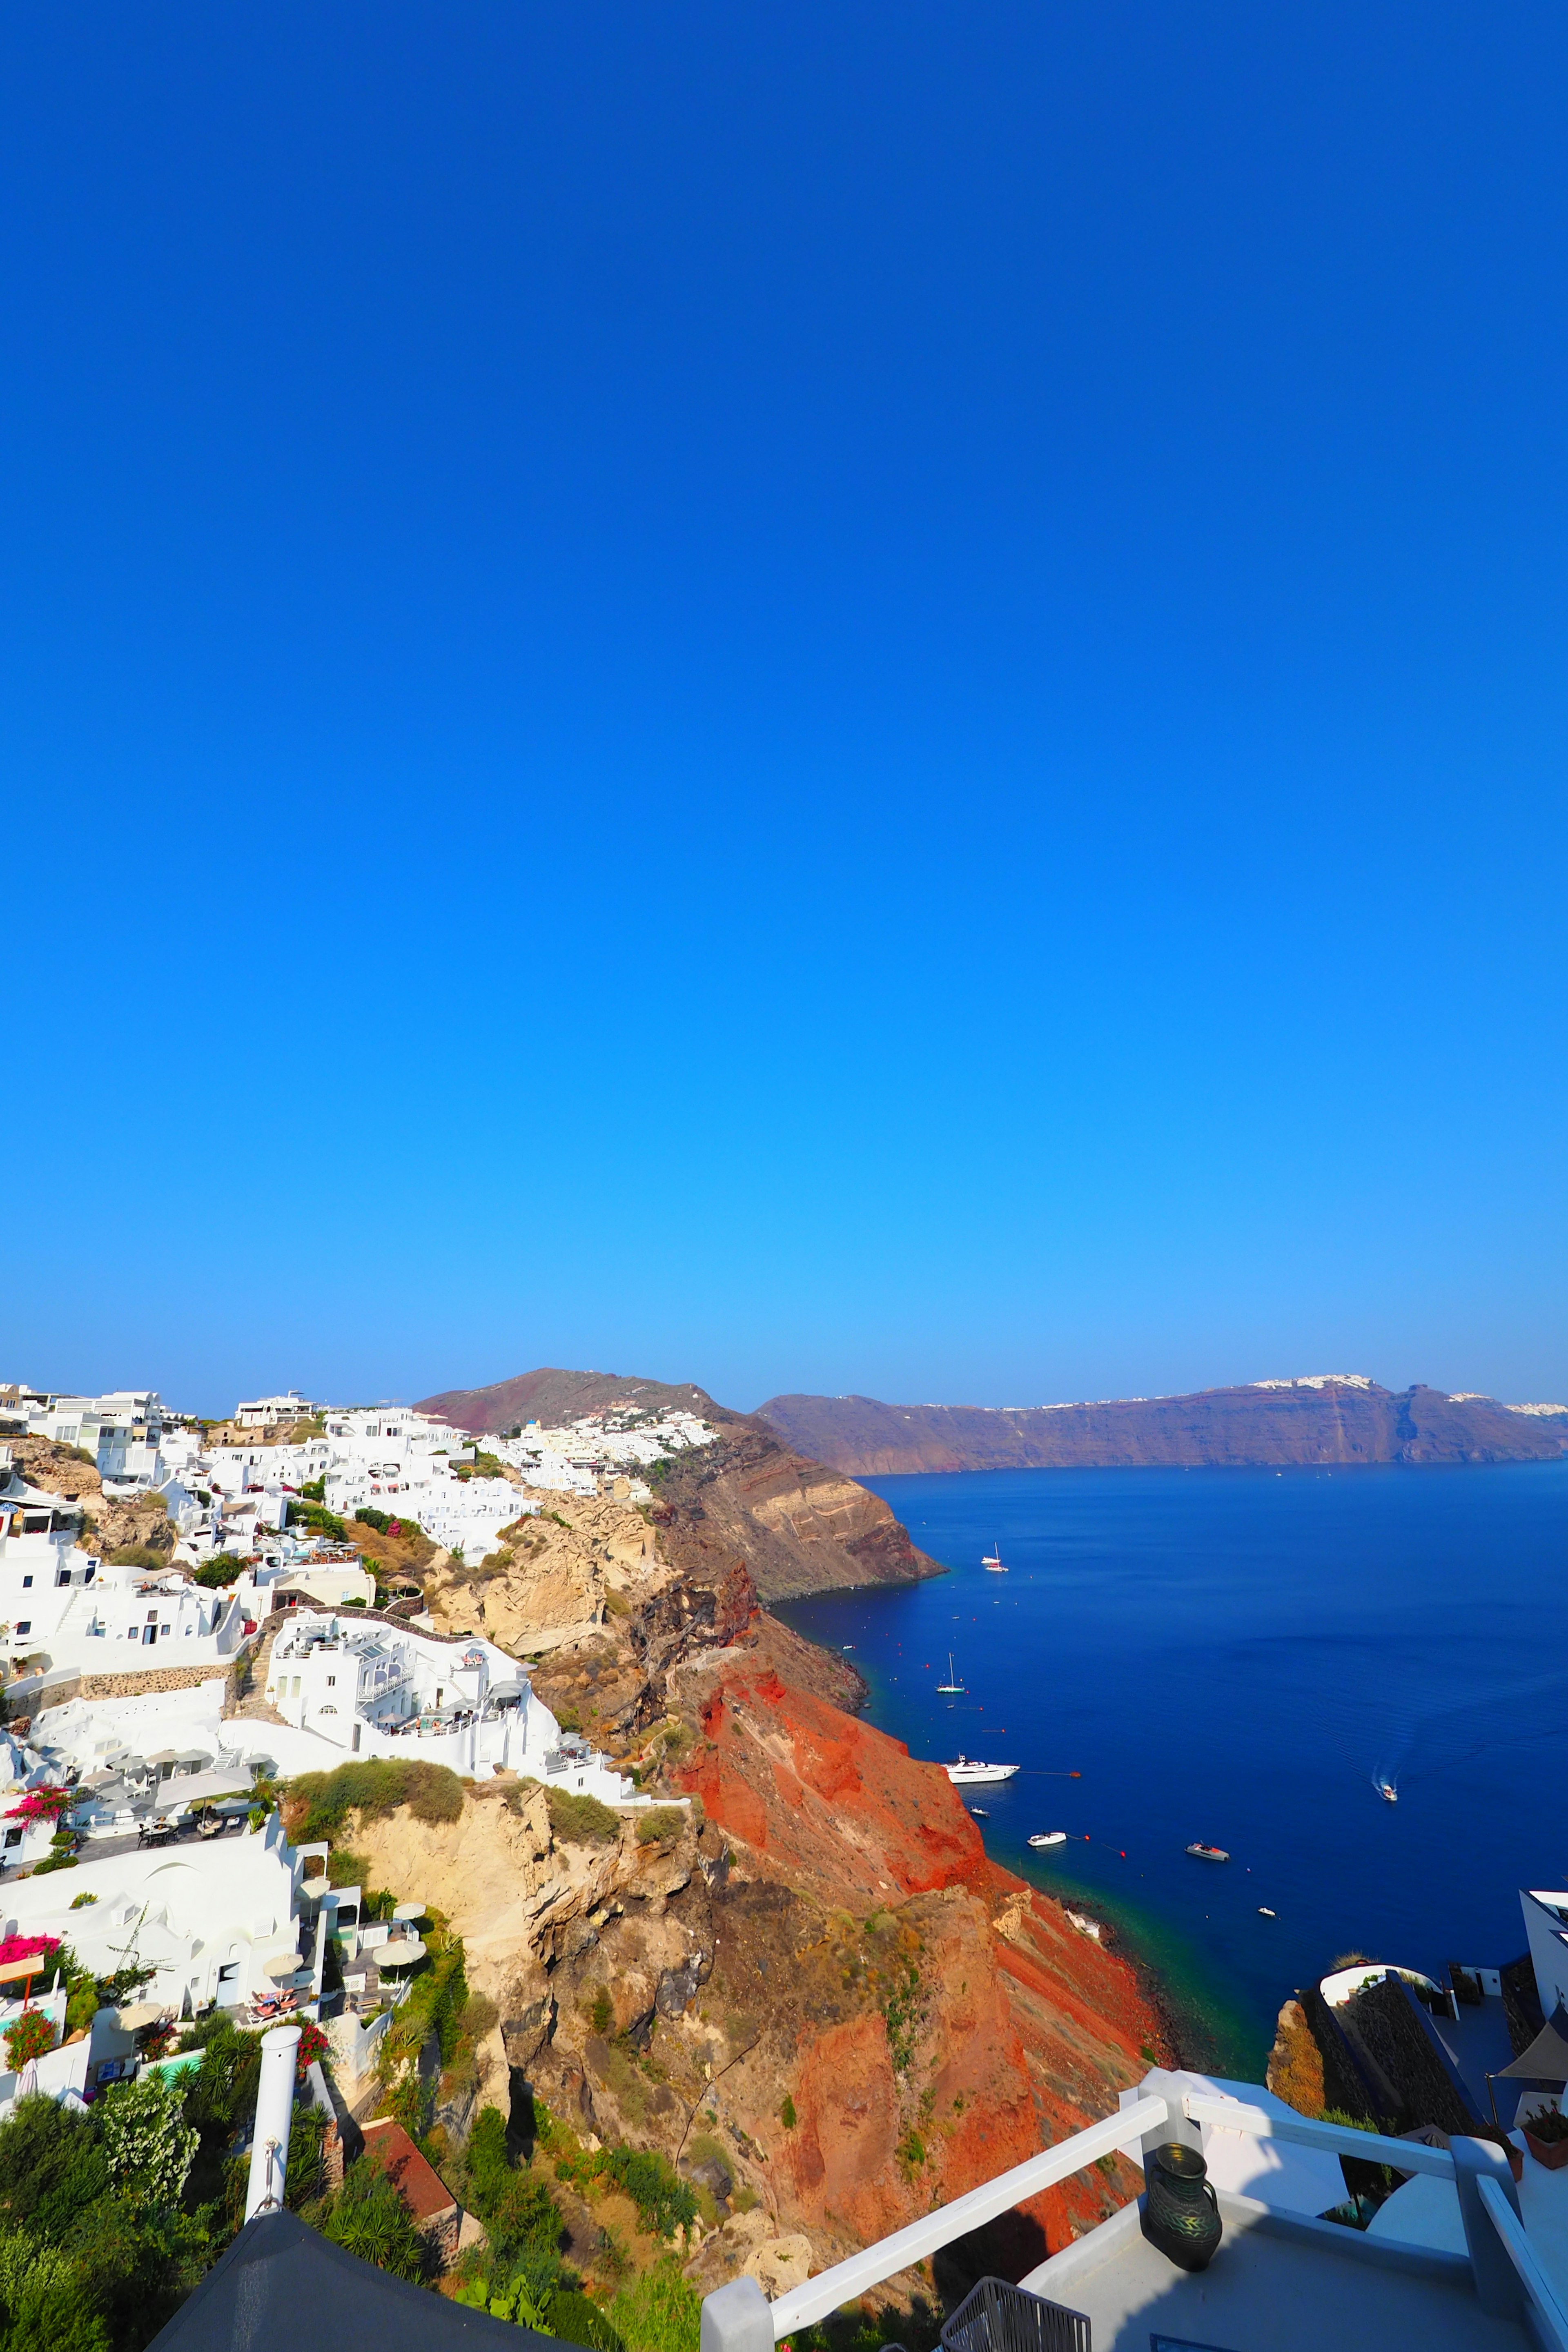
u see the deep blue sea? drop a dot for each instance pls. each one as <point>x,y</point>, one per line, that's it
<point>1234,1655</point>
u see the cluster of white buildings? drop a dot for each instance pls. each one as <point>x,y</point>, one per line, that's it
<point>576,1459</point>
<point>233,1496</point>
<point>341,1679</point>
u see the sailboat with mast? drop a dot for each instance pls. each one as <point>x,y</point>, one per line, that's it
<point>994,1561</point>
<point>953,1687</point>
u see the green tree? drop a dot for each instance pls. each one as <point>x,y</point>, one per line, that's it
<point>45,2299</point>
<point>52,2168</point>
<point>369,2218</point>
<point>147,2143</point>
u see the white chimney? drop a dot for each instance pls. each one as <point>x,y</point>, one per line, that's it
<point>274,2115</point>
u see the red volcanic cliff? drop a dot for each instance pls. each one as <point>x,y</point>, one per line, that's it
<point>932,2019</point>
<point>840,1808</point>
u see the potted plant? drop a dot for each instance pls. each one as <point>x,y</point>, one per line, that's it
<point>1546,2136</point>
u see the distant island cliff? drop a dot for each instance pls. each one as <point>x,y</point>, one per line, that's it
<point>1323,1418</point>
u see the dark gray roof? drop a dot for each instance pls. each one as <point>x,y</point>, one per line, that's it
<point>281,2283</point>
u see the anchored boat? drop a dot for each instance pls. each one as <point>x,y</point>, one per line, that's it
<point>1049,1837</point>
<point>953,1687</point>
<point>1201,1852</point>
<point>967,1771</point>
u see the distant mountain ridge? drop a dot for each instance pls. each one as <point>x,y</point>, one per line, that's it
<point>1323,1418</point>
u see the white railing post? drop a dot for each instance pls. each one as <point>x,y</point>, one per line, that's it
<point>1513,2241</point>
<point>736,2317</point>
<point>1497,2288</point>
<point>1159,2083</point>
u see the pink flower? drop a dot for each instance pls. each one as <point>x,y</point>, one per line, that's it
<point>24,1947</point>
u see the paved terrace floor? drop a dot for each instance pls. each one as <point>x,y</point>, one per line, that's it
<point>1271,2287</point>
<point>1477,2043</point>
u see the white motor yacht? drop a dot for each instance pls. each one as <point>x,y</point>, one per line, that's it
<point>966,1772</point>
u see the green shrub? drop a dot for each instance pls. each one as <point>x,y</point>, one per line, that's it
<point>221,1569</point>
<point>46,2299</point>
<point>659,2312</point>
<point>138,1555</point>
<point>575,2320</point>
<point>651,2181</point>
<point>786,2113</point>
<point>490,2166</point>
<point>373,1786</point>
<point>662,1826</point>
<point>580,1819</point>
<point>322,1521</point>
<point>602,2015</point>
<point>368,2218</point>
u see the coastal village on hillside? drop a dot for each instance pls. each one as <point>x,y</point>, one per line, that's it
<point>422,1849</point>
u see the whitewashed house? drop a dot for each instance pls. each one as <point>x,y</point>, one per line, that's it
<point>380,1689</point>
<point>62,1606</point>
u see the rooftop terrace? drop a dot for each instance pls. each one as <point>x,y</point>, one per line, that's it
<point>1282,2277</point>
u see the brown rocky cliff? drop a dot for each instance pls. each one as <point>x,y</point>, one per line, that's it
<point>820,1994</point>
<point>109,1524</point>
<point>1222,1427</point>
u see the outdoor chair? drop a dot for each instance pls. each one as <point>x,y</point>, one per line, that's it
<point>998,2317</point>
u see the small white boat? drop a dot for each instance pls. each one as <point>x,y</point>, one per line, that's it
<point>848,1647</point>
<point>953,1687</point>
<point>980,1813</point>
<point>1265,1912</point>
<point>968,1772</point>
<point>1201,1852</point>
<point>1388,1792</point>
<point>993,1560</point>
<point>1049,1837</point>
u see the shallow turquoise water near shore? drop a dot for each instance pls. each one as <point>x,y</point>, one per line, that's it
<point>1233,1656</point>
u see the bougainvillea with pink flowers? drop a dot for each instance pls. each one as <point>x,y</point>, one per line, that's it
<point>41,1805</point>
<point>22,1948</point>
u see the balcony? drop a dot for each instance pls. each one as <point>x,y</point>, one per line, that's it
<point>1282,2280</point>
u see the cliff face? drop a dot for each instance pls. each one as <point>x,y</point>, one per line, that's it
<point>814,1994</point>
<point>109,1524</point>
<point>799,1527</point>
<point>1335,1423</point>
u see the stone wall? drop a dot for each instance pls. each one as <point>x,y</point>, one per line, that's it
<point>156,1678</point>
<point>165,1678</point>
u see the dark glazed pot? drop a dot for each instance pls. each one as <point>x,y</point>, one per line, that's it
<point>1181,2212</point>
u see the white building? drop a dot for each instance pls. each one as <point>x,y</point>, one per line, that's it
<point>62,1606</point>
<point>267,1412</point>
<point>205,1917</point>
<point>379,1689</point>
<point>121,1431</point>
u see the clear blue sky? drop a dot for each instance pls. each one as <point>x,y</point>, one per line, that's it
<point>813,696</point>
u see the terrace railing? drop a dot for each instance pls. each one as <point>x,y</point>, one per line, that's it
<point>738,2317</point>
